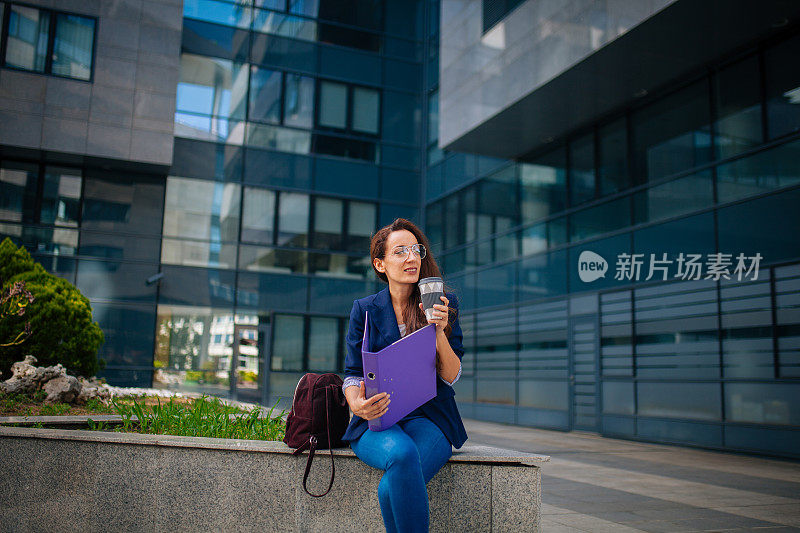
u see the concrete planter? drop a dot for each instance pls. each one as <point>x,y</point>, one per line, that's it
<point>57,479</point>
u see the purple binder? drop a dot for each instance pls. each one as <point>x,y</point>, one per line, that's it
<point>406,369</point>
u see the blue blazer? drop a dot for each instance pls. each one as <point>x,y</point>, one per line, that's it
<point>383,331</point>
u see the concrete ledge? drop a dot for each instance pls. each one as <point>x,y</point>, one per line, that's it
<point>108,481</point>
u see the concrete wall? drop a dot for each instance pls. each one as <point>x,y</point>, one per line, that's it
<point>55,480</point>
<point>127,112</point>
<point>480,75</point>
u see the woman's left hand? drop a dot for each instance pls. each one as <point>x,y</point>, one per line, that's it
<point>440,314</point>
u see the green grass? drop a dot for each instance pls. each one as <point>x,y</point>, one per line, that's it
<point>55,409</point>
<point>204,417</point>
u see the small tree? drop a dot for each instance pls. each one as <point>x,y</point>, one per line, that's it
<point>60,318</point>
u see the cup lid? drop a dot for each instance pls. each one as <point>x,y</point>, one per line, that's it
<point>433,279</point>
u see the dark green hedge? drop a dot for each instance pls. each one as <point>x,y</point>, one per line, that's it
<point>60,317</point>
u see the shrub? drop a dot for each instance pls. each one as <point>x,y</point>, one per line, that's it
<point>60,318</point>
<point>14,298</point>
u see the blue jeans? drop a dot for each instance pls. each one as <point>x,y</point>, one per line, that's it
<point>411,452</point>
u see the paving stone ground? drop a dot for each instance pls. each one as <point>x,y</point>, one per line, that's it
<point>599,484</point>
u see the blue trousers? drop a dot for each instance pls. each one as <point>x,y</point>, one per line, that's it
<point>410,453</point>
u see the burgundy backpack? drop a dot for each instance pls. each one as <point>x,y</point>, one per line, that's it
<point>318,419</point>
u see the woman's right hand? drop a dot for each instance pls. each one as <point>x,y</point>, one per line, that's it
<point>367,408</point>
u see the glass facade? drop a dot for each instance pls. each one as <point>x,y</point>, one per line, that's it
<point>303,126</point>
<point>704,172</point>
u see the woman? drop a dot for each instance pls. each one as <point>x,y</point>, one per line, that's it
<point>414,449</point>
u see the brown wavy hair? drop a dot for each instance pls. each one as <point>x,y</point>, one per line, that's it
<point>413,317</point>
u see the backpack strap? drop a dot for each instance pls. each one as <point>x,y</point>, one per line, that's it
<point>312,445</point>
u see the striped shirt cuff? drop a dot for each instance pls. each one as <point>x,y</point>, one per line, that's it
<point>350,381</point>
<point>451,383</point>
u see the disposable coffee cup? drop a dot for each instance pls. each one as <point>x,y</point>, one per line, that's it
<point>431,289</point>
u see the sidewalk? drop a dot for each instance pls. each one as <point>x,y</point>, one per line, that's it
<point>595,483</point>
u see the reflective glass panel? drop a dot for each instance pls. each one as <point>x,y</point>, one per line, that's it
<point>433,117</point>
<point>543,185</point>
<point>333,105</point>
<point>581,170</point>
<point>258,215</point>
<point>323,343</point>
<point>738,108</point>
<point>672,134</point>
<point>293,219</point>
<point>264,259</point>
<point>310,8</point>
<point>783,88</point>
<point>676,197</point>
<point>202,209</point>
<point>235,14</point>
<point>600,219</point>
<point>287,347</point>
<point>73,46</point>
<point>193,349</point>
<point>328,223</point>
<point>18,191</point>
<point>366,103</point>
<point>61,196</point>
<point>198,253</point>
<point>699,401</point>
<point>265,95</point>
<point>612,164</point>
<point>212,86</point>
<point>360,225</point>
<point>763,403</point>
<point>127,203</point>
<point>26,45</point>
<point>771,169</point>
<point>298,107</point>
<point>277,138</point>
<point>275,23</point>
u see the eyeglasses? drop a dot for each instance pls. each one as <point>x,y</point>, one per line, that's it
<point>401,252</point>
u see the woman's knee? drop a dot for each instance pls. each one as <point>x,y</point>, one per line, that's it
<point>403,452</point>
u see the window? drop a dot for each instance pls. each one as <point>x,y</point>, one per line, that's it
<point>48,195</point>
<point>333,231</point>
<point>333,105</point>
<point>672,134</point>
<point>543,185</point>
<point>293,210</point>
<point>435,153</point>
<point>328,223</point>
<point>737,91</point>
<point>581,170</point>
<point>349,109</point>
<point>287,350</point>
<point>207,213</point>
<point>307,343</point>
<point>782,88</point>
<point>360,225</point>
<point>366,14</point>
<point>365,110</point>
<point>258,215</point>
<point>211,99</point>
<point>281,98</point>
<point>612,155</point>
<point>323,343</point>
<point>60,197</point>
<point>49,42</point>
<point>270,20</point>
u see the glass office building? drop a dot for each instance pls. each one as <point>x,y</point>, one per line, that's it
<point>218,207</point>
